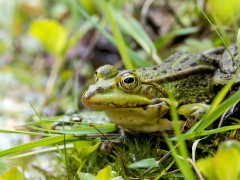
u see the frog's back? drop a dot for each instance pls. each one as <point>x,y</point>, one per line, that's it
<point>228,69</point>
<point>178,63</point>
<point>187,76</point>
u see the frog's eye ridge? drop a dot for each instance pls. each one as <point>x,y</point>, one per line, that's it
<point>105,72</point>
<point>128,82</point>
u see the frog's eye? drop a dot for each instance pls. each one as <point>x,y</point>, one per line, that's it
<point>128,82</point>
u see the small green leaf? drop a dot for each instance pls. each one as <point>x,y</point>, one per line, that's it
<point>229,145</point>
<point>104,174</point>
<point>224,165</point>
<point>86,148</point>
<point>207,168</point>
<point>145,163</point>
<point>51,34</point>
<point>89,6</point>
<point>230,9</point>
<point>11,174</point>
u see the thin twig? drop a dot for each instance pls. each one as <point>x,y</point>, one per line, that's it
<point>171,172</point>
<point>195,168</point>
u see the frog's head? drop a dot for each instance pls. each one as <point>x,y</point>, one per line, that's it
<point>118,89</point>
<point>126,99</point>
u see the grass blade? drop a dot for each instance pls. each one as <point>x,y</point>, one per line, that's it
<point>118,36</point>
<point>132,27</point>
<point>57,139</point>
<point>25,132</point>
<point>105,128</point>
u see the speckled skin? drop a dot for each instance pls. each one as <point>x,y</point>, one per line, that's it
<point>139,99</point>
<point>227,70</point>
<point>187,76</point>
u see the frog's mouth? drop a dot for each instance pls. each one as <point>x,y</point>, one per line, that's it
<point>109,101</point>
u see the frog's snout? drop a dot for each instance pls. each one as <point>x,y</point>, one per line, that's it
<point>89,93</point>
<point>84,98</point>
<point>92,90</point>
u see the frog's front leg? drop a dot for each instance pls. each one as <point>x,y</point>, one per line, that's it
<point>161,108</point>
<point>192,112</point>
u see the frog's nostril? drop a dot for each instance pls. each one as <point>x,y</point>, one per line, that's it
<point>90,93</point>
<point>99,89</point>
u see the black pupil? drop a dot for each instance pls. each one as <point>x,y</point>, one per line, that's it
<point>129,80</point>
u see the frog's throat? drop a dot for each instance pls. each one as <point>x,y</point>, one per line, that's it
<point>137,119</point>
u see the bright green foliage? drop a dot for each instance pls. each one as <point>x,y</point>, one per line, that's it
<point>224,11</point>
<point>87,148</point>
<point>104,174</point>
<point>91,6</point>
<point>224,165</point>
<point>231,144</point>
<point>11,174</point>
<point>51,34</point>
<point>88,6</point>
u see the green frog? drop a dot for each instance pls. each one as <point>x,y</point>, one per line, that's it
<point>140,99</point>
